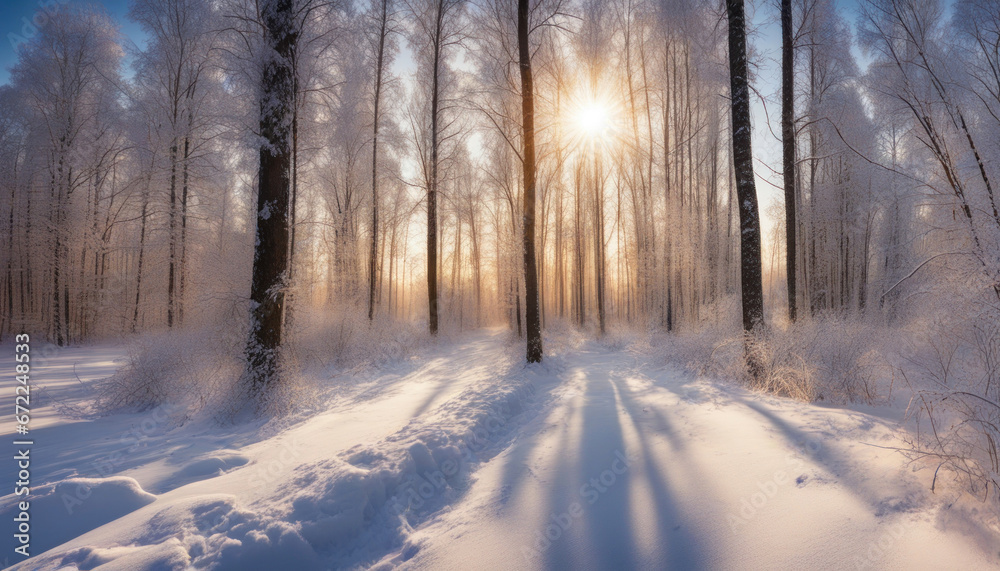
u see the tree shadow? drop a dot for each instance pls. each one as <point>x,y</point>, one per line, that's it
<point>465,356</point>
<point>608,501</point>
<point>827,457</point>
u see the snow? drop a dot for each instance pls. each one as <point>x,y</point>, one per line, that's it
<point>460,457</point>
<point>719,478</point>
<point>79,504</point>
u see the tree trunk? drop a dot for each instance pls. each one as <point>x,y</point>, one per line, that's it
<point>750,263</point>
<point>9,318</point>
<point>578,268</point>
<point>172,238</point>
<point>142,253</point>
<point>271,249</point>
<point>293,200</point>
<point>184,216</point>
<point>432,246</point>
<point>379,58</point>
<point>788,149</point>
<point>532,316</point>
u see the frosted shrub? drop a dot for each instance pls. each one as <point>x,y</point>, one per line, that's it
<point>190,369</point>
<point>953,370</point>
<point>199,370</point>
<point>820,359</point>
<point>848,355</point>
<point>345,338</point>
<point>781,370</point>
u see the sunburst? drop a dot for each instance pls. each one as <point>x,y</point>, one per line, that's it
<point>592,121</point>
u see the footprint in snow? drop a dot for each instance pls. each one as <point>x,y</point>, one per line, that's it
<point>894,504</point>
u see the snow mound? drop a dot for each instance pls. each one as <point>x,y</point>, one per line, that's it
<point>355,508</point>
<point>207,532</point>
<point>168,555</point>
<point>70,508</point>
<point>241,540</point>
<point>344,511</point>
<point>212,466</point>
<point>204,468</point>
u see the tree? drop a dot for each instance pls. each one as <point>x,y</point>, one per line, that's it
<point>270,261</point>
<point>532,315</point>
<point>788,148</point>
<point>382,13</point>
<point>912,69</point>
<point>11,153</point>
<point>436,33</point>
<point>746,191</point>
<point>68,77</point>
<point>173,71</point>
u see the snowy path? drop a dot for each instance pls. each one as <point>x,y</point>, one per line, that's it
<point>716,478</point>
<point>218,485</point>
<point>593,460</point>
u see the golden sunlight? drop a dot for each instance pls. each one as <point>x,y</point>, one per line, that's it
<point>594,119</point>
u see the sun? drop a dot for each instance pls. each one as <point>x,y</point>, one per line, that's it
<point>594,119</point>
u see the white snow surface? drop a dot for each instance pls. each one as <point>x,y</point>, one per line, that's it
<point>462,457</point>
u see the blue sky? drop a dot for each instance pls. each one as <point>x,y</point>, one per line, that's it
<point>16,17</point>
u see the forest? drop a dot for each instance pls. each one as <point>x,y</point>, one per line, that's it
<point>795,194</point>
<point>130,192</point>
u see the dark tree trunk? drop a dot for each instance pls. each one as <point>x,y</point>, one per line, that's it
<point>578,249</point>
<point>668,231</point>
<point>432,246</point>
<point>379,59</point>
<point>57,219</point>
<point>532,317</point>
<point>271,250</point>
<point>142,255</point>
<point>788,148</point>
<point>293,197</point>
<point>172,239</point>
<point>9,318</point>
<point>182,270</point>
<point>746,191</point>
<point>599,261</point>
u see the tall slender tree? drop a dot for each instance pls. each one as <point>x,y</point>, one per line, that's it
<point>437,33</point>
<point>746,190</point>
<point>788,148</point>
<point>533,320</point>
<point>382,13</point>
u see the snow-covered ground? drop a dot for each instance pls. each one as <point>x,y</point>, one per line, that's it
<point>463,458</point>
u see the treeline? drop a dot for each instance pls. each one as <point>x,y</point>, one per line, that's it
<point>129,184</point>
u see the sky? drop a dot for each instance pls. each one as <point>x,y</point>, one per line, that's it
<point>765,35</point>
<point>20,16</point>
